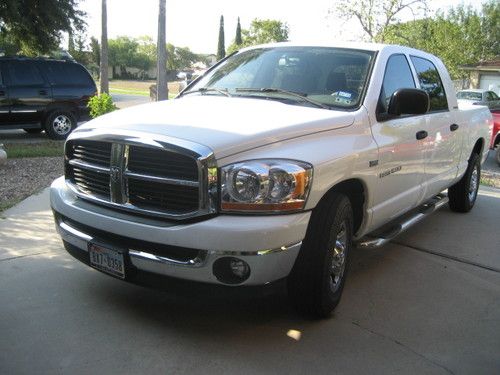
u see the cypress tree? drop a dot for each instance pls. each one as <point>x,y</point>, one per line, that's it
<point>238,40</point>
<point>221,49</point>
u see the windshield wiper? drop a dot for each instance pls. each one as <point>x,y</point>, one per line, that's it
<point>301,96</point>
<point>203,90</point>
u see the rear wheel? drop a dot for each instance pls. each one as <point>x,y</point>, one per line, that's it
<point>33,130</point>
<point>316,282</point>
<point>59,124</point>
<point>463,194</point>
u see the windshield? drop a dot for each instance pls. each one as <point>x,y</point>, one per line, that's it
<point>327,77</point>
<point>469,95</point>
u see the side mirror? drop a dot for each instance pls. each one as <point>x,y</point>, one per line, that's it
<point>408,102</point>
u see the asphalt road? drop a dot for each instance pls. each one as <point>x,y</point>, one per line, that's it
<point>428,303</point>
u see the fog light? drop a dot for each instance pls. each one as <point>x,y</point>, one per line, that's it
<point>230,270</point>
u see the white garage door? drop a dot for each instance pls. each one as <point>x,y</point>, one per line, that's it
<point>490,82</point>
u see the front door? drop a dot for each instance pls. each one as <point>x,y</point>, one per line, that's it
<point>4,100</point>
<point>400,170</point>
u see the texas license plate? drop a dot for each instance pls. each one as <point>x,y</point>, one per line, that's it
<point>107,260</point>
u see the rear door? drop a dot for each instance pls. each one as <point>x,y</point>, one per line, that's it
<point>4,99</point>
<point>29,92</point>
<point>442,147</point>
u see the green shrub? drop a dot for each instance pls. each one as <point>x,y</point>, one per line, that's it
<point>101,104</point>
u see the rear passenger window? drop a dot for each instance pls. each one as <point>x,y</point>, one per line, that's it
<point>66,73</point>
<point>430,82</point>
<point>397,76</point>
<point>24,73</point>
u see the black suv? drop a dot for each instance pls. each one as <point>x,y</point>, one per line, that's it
<point>43,94</point>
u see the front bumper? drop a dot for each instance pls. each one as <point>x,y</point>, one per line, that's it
<point>269,244</point>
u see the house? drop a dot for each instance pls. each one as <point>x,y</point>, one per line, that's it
<point>485,75</point>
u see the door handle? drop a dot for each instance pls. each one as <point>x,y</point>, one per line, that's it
<point>453,127</point>
<point>42,92</point>
<point>422,134</point>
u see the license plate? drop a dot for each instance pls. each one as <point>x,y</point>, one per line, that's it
<point>107,260</point>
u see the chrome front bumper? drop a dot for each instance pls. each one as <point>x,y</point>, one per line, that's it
<point>224,236</point>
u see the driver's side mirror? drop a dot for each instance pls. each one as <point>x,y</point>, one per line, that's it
<point>408,102</point>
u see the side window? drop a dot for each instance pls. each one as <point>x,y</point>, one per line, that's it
<point>430,82</point>
<point>491,96</point>
<point>1,79</point>
<point>397,76</point>
<point>24,73</point>
<point>66,73</point>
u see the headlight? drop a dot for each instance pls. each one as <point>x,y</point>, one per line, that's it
<point>265,185</point>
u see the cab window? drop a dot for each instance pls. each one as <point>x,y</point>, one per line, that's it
<point>430,81</point>
<point>397,76</point>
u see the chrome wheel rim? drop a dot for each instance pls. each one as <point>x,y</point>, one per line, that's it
<point>337,267</point>
<point>61,124</point>
<point>473,185</point>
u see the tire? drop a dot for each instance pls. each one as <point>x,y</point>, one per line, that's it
<point>318,277</point>
<point>59,124</point>
<point>463,194</point>
<point>497,154</point>
<point>33,130</point>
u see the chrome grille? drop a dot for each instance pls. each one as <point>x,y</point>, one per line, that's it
<point>146,177</point>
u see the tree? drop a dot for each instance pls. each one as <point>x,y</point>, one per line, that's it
<point>463,36</point>
<point>374,16</point>
<point>237,40</point>
<point>104,49</point>
<point>260,32</point>
<point>161,80</point>
<point>37,28</point>
<point>95,53</point>
<point>221,49</point>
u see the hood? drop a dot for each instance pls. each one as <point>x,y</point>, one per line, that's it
<point>225,125</point>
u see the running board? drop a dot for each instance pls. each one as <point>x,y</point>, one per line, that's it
<point>381,237</point>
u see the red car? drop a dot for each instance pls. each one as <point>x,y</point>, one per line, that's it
<point>495,135</point>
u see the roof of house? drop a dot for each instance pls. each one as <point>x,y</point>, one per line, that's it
<point>484,65</point>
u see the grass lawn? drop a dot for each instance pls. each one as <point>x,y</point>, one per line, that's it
<point>138,87</point>
<point>31,150</point>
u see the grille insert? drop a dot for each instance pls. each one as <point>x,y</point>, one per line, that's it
<point>144,179</point>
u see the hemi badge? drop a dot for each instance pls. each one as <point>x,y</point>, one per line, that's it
<point>373,163</point>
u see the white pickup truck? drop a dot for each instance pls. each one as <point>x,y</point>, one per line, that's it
<point>270,168</point>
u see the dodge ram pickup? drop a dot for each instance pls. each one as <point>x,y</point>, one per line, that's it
<point>270,168</point>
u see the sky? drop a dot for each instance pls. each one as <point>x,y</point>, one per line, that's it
<point>195,24</point>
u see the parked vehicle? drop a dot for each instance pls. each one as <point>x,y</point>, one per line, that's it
<point>480,97</point>
<point>43,94</point>
<point>495,135</point>
<point>270,168</point>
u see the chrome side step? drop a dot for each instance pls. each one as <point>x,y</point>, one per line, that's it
<point>389,232</point>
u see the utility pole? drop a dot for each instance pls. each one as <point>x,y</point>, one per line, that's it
<point>161,74</point>
<point>103,75</point>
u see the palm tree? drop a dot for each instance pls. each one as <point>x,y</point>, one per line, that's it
<point>104,50</point>
<point>161,74</point>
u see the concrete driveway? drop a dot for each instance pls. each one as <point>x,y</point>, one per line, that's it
<point>428,303</point>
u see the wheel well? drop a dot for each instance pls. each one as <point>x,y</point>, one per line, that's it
<point>355,191</point>
<point>478,147</point>
<point>497,140</point>
<point>60,107</point>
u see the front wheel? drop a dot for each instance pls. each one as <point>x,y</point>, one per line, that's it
<point>317,279</point>
<point>463,194</point>
<point>59,124</point>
